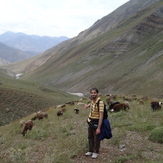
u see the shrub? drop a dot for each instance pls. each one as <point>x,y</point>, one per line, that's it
<point>15,155</point>
<point>156,135</point>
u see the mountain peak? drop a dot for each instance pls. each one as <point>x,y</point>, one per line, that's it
<point>30,43</point>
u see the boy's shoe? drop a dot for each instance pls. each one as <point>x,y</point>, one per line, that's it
<point>95,155</point>
<point>88,154</point>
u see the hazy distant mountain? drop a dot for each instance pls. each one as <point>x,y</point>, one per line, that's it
<point>12,55</point>
<point>121,53</point>
<point>30,43</point>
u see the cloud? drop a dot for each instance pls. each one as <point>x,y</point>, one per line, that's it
<point>53,17</point>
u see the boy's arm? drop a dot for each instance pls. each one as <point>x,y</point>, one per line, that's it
<point>98,130</point>
<point>86,106</point>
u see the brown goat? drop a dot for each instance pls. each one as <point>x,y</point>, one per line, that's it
<point>27,126</point>
<point>112,104</point>
<point>59,113</point>
<point>40,115</point>
<point>70,103</point>
<point>63,109</point>
<point>120,106</point>
<point>141,101</point>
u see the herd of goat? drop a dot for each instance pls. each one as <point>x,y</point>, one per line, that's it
<point>113,106</point>
<point>29,124</point>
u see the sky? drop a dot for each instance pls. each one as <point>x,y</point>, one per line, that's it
<point>53,17</point>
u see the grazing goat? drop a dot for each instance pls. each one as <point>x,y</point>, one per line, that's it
<point>40,115</point>
<point>59,113</point>
<point>61,106</point>
<point>141,101</point>
<point>27,126</point>
<point>112,105</point>
<point>155,105</point>
<point>76,111</point>
<point>63,109</point>
<point>22,122</point>
<point>70,103</point>
<point>120,106</point>
<point>127,98</point>
<point>134,97</point>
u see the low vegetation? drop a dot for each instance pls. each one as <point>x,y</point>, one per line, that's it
<point>157,135</point>
<point>137,137</point>
<point>20,98</point>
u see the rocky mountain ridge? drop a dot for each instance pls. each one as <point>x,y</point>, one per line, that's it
<point>27,46</point>
<point>30,43</point>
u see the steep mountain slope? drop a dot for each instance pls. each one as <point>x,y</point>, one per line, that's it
<point>110,21</point>
<point>11,54</point>
<point>30,43</point>
<point>121,53</point>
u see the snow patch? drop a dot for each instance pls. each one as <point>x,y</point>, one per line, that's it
<point>18,76</point>
<point>77,94</point>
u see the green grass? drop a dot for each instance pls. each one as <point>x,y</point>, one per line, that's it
<point>64,139</point>
<point>124,159</point>
<point>20,98</point>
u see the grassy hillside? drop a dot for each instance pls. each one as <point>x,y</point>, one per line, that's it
<point>125,58</point>
<point>20,98</point>
<point>64,139</point>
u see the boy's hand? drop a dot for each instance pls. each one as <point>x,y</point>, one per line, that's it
<point>86,106</point>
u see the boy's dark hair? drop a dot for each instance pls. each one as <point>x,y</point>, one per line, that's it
<point>94,89</point>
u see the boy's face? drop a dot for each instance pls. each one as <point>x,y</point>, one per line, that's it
<point>94,94</point>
